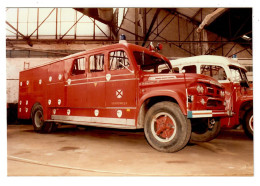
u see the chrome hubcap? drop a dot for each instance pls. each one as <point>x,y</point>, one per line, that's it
<point>38,119</point>
<point>163,127</point>
<point>251,123</point>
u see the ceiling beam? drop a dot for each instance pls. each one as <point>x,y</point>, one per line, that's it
<point>151,25</point>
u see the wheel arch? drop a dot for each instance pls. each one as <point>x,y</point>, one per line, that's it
<point>32,108</point>
<point>148,103</point>
<point>244,108</point>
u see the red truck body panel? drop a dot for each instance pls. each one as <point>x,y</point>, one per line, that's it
<point>110,98</point>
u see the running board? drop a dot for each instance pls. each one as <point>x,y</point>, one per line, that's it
<point>94,124</point>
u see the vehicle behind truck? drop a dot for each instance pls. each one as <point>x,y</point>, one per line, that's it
<point>122,86</point>
<point>232,75</point>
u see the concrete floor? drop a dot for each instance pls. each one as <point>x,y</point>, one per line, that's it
<point>91,151</point>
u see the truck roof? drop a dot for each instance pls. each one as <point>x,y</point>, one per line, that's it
<point>207,59</point>
<point>130,46</point>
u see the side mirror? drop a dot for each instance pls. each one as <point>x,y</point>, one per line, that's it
<point>244,83</point>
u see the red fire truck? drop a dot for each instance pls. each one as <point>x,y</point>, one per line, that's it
<point>232,75</point>
<point>121,86</point>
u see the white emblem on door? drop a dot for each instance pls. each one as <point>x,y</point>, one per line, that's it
<point>49,102</point>
<point>96,112</point>
<point>59,101</point>
<point>26,103</point>
<point>68,112</point>
<point>69,81</point>
<point>26,109</point>
<point>119,93</point>
<point>119,113</point>
<point>21,83</point>
<point>54,111</point>
<point>27,82</point>
<point>108,77</point>
<point>40,81</point>
<point>50,79</point>
<point>60,76</point>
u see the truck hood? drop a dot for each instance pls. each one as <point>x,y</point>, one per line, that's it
<point>187,78</point>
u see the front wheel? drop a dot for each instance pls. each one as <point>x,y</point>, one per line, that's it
<point>38,122</point>
<point>204,129</point>
<point>166,128</point>
<point>248,124</point>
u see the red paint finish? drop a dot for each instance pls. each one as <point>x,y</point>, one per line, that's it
<point>109,85</point>
<point>239,99</point>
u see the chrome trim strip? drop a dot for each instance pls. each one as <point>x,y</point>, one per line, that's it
<point>104,120</point>
<point>94,124</point>
<point>102,81</point>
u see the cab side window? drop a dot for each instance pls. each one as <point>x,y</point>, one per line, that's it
<point>190,69</point>
<point>118,60</point>
<point>96,63</point>
<point>79,66</point>
<point>217,72</point>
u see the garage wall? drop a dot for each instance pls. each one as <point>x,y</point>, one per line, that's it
<point>175,33</point>
<point>15,61</point>
<point>15,64</point>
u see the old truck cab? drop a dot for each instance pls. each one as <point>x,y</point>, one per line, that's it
<point>232,75</point>
<point>121,86</point>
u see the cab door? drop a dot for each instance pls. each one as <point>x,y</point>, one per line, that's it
<point>121,83</point>
<point>76,83</point>
<point>96,81</point>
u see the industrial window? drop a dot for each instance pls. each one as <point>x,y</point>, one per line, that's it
<point>118,60</point>
<point>79,66</point>
<point>96,63</point>
<point>190,69</point>
<point>217,72</point>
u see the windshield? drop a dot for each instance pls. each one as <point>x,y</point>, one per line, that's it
<point>149,63</point>
<point>238,74</point>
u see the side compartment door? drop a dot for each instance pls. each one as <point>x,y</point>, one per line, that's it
<point>121,90</point>
<point>55,97</point>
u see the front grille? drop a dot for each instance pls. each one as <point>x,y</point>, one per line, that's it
<point>213,103</point>
<point>210,90</point>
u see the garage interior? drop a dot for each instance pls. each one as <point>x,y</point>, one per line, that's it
<point>35,36</point>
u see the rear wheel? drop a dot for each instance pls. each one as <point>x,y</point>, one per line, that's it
<point>204,129</point>
<point>38,121</point>
<point>248,124</point>
<point>166,128</point>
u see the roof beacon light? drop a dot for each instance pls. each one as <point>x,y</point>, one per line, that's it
<point>159,46</point>
<point>122,39</point>
<point>151,47</point>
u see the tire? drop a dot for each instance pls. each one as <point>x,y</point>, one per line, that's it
<point>248,125</point>
<point>203,130</point>
<point>166,128</point>
<point>38,122</point>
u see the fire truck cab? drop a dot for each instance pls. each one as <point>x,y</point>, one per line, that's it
<point>121,86</point>
<point>232,75</point>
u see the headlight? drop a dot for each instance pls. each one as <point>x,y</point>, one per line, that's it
<point>200,89</point>
<point>222,93</point>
